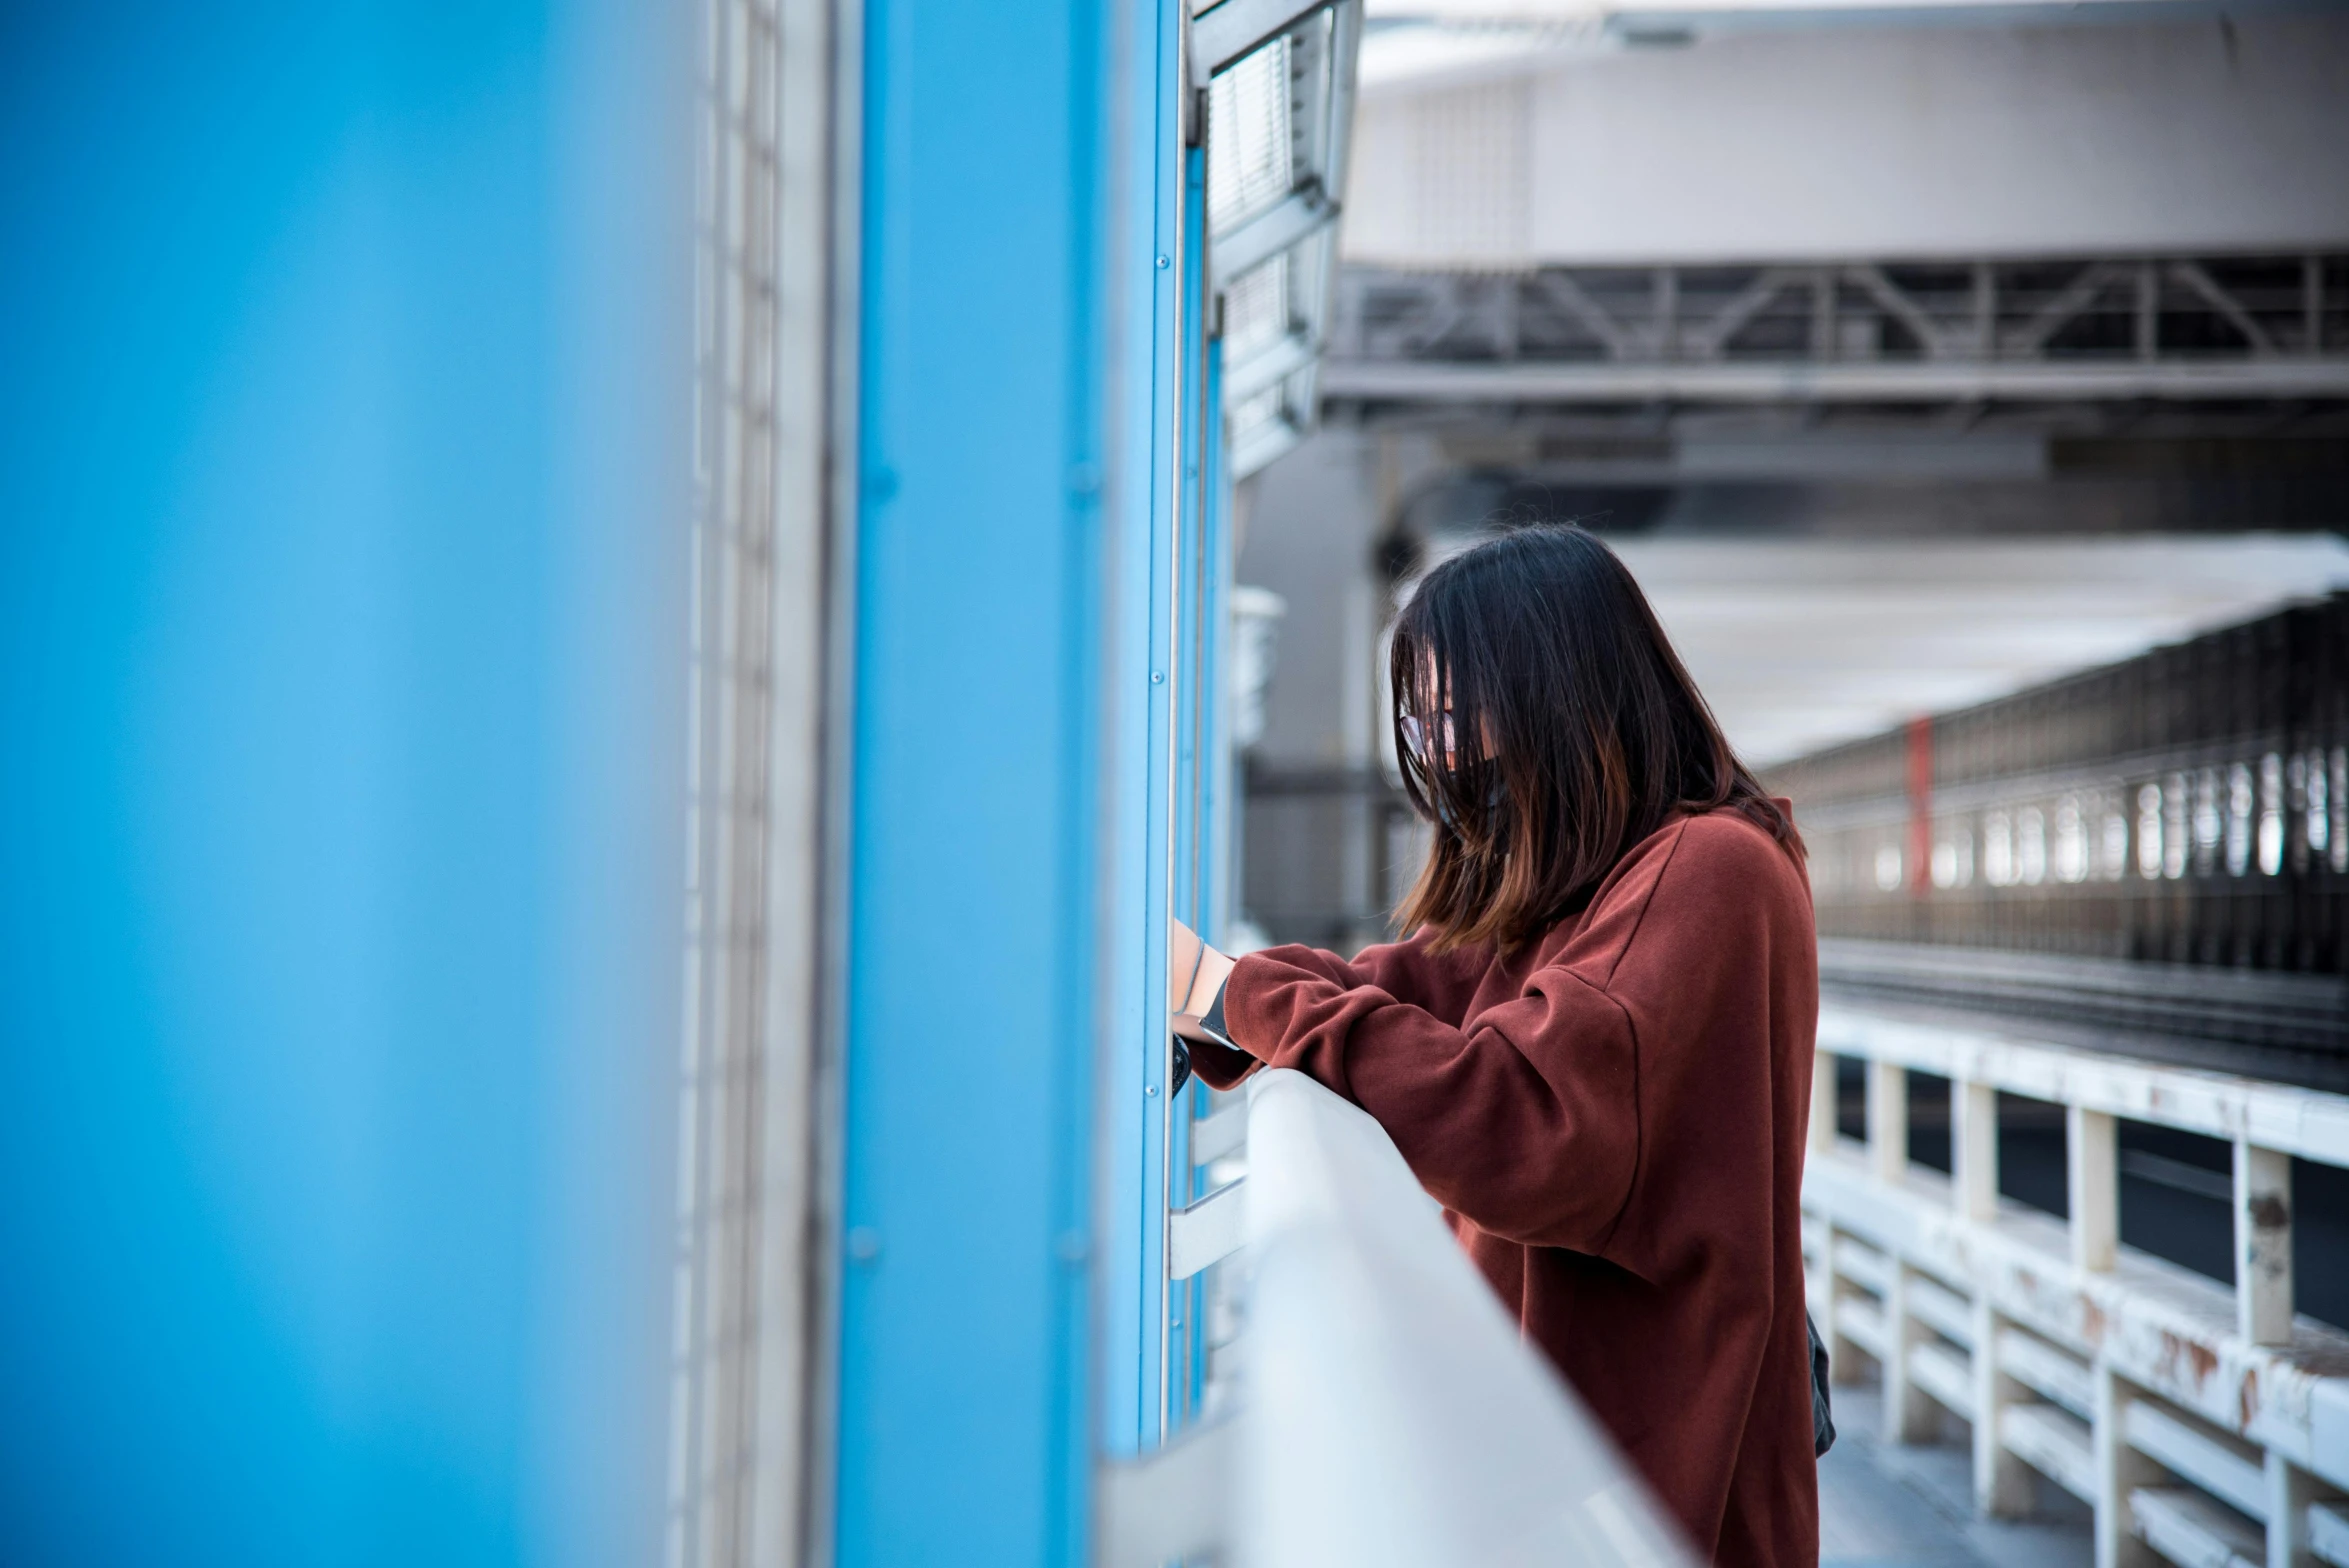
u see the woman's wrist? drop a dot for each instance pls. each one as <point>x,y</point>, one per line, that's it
<point>1214,969</point>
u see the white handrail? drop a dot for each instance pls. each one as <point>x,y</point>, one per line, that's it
<point>1389,1411</point>
<point>2310,1123</point>
<point>1395,1413</point>
<point>2156,1396</point>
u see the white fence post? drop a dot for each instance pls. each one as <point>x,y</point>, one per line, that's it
<point>2092,1165</point>
<point>1843,1354</point>
<point>1888,1121</point>
<point>2290,1490</point>
<point>2263,1245</point>
<point>1909,1417</point>
<point>2002,1483</point>
<point>1822,1128</point>
<point>1973,1149</point>
<point>2119,1470</point>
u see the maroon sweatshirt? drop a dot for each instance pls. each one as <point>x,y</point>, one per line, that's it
<point>1613,1119</point>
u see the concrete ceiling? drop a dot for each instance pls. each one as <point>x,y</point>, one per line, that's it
<point>2109,129</point>
<point>1769,12</point>
<point>1800,644</point>
<point>1418,42</point>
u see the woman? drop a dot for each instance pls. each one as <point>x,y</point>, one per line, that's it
<point>1595,1049</point>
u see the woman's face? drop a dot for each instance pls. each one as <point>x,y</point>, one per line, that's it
<point>1423,726</point>
<point>1419,733</point>
<point>1416,735</point>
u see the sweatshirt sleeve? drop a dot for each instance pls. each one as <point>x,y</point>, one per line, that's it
<point>1404,970</point>
<point>1527,1121</point>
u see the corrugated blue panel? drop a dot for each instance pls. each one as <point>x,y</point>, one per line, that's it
<point>1220,786</point>
<point>1148,392</point>
<point>983,605</point>
<point>1193,635</point>
<point>341,466</point>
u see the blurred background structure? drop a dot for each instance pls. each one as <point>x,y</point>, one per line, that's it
<point>621,625</point>
<point>1952,332</point>
<point>1968,386</point>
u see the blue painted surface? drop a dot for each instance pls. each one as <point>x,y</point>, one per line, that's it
<point>1143,266</point>
<point>1193,637</point>
<point>977,895</point>
<point>1134,1333</point>
<point>1198,635</point>
<point>1221,803</point>
<point>340,638</point>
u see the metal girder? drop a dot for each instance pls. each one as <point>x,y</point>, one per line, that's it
<point>2192,275</point>
<point>1935,336</point>
<point>2065,307</point>
<point>2033,329</point>
<point>1708,341</point>
<point>1237,28</point>
<point>1588,314</point>
<point>1297,217</point>
<point>1926,381</point>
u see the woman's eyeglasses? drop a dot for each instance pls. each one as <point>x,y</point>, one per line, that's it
<point>1415,737</point>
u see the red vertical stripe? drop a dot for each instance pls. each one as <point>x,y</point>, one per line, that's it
<point>1920,855</point>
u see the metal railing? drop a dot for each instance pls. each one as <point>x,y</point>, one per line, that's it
<point>2159,846</point>
<point>2204,1425</point>
<point>1374,1403</point>
<point>2189,805</point>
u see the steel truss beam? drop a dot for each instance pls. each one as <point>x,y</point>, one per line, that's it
<point>2027,330</point>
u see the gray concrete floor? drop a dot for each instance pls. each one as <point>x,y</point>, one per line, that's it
<point>1887,1505</point>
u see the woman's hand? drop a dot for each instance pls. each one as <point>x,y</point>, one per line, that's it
<point>1194,971</point>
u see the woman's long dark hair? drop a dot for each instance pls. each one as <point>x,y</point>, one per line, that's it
<point>1574,733</point>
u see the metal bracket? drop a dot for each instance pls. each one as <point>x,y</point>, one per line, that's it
<point>1297,217</point>
<point>1215,1136</point>
<point>1169,1506</point>
<point>1207,1232</point>
<point>1276,361</point>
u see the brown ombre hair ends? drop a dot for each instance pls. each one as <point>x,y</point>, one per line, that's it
<point>1574,732</point>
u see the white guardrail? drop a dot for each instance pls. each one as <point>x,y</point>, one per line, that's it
<point>2207,1427</point>
<point>1386,1409</point>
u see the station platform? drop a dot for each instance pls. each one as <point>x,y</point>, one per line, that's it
<point>1886,1505</point>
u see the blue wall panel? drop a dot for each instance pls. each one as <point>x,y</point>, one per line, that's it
<point>976,896</point>
<point>340,606</point>
<point>1144,256</point>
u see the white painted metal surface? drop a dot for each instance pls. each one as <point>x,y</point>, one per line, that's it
<point>1390,1413</point>
<point>1550,141</point>
<point>1395,1414</point>
<point>2206,1426</point>
<point>1207,1232</point>
<point>1278,79</point>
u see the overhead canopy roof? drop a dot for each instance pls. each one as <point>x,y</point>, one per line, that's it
<point>1801,644</point>
<point>1764,12</point>
<point>1502,136</point>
